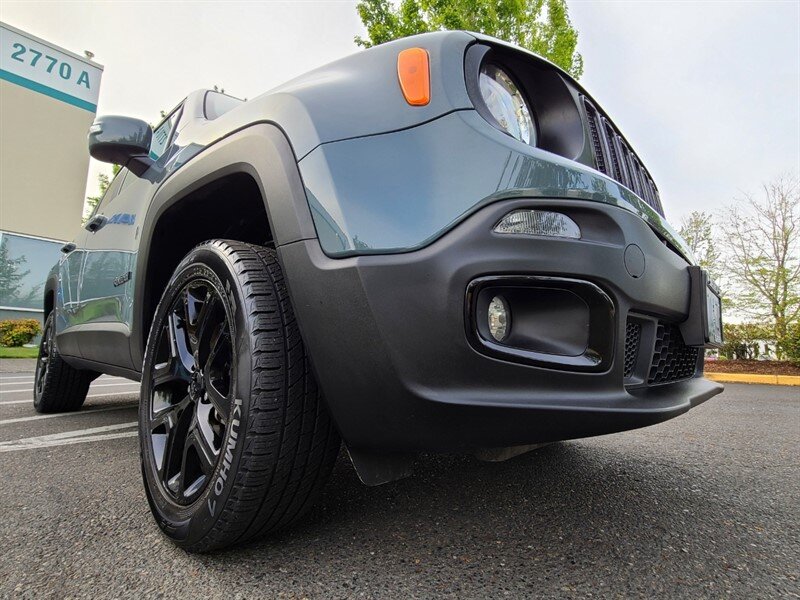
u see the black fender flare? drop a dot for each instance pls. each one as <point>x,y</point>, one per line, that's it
<point>261,150</point>
<point>50,286</point>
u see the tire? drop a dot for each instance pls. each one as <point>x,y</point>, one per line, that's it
<point>57,386</point>
<point>236,441</point>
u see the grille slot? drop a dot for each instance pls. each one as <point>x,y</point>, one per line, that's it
<point>673,360</point>
<point>630,179</point>
<point>597,142</point>
<point>613,151</point>
<point>633,338</point>
<point>614,158</point>
<point>637,177</point>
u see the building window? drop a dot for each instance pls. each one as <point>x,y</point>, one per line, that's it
<point>24,265</point>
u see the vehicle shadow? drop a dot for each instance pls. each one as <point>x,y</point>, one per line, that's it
<point>574,514</point>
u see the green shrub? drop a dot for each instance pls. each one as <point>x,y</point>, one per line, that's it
<point>741,340</point>
<point>790,345</point>
<point>17,332</point>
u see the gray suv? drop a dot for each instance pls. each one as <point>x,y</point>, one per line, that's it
<point>440,244</point>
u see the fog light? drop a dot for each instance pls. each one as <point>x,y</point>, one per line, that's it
<point>499,317</point>
<point>538,222</point>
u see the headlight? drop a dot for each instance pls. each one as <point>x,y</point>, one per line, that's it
<point>506,103</point>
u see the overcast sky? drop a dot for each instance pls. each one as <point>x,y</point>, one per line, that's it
<point>707,92</point>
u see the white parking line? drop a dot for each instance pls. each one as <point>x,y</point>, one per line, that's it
<point>93,386</point>
<point>134,383</point>
<point>69,414</point>
<point>70,437</point>
<point>94,438</point>
<point>74,433</point>
<point>132,392</point>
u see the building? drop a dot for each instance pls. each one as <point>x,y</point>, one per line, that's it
<point>48,100</point>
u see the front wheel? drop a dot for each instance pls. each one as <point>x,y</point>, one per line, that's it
<point>236,441</point>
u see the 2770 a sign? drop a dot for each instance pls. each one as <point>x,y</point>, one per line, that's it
<point>33,58</point>
<point>41,67</point>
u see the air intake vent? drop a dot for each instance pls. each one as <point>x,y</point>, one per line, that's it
<point>633,336</point>
<point>673,360</point>
<point>615,159</point>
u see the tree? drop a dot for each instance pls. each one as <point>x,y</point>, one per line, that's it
<point>12,278</point>
<point>698,230</point>
<point>762,254</point>
<point>103,181</point>
<point>542,26</point>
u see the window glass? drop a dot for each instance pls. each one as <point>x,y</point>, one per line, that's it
<point>161,135</point>
<point>217,104</point>
<point>24,265</point>
<point>126,182</point>
<point>113,189</point>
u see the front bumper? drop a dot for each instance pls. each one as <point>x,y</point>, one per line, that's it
<point>391,349</point>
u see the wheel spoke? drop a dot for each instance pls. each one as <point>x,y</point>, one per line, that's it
<point>168,372</point>
<point>217,372</point>
<point>182,476</point>
<point>204,324</point>
<point>175,444</point>
<point>169,416</point>
<point>197,464</point>
<point>179,343</point>
<point>205,452</point>
<point>216,344</point>
<point>195,486</point>
<point>220,403</point>
<point>162,428</point>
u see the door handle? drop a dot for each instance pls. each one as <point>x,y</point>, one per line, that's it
<point>96,223</point>
<point>68,247</point>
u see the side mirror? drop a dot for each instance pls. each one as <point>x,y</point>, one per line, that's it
<point>123,141</point>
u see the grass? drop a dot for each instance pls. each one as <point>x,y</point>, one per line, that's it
<point>19,352</point>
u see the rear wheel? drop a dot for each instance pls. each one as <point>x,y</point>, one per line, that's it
<point>57,386</point>
<point>235,438</point>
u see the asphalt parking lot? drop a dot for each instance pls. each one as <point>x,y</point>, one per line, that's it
<point>707,505</point>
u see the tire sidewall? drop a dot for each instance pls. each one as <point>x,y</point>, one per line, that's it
<point>187,525</point>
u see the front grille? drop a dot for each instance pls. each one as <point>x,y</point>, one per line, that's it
<point>614,158</point>
<point>633,336</point>
<point>673,360</point>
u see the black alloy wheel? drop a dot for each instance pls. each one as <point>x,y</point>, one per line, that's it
<point>191,394</point>
<point>43,362</point>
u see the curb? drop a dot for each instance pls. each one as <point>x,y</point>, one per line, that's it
<point>753,378</point>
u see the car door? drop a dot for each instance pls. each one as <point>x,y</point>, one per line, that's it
<point>69,272</point>
<point>69,314</point>
<point>109,267</point>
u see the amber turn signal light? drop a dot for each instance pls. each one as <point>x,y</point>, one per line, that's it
<point>413,72</point>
